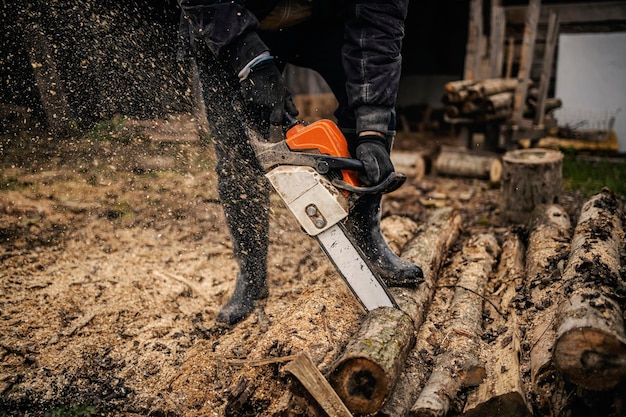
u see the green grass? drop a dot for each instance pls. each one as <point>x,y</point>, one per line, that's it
<point>589,176</point>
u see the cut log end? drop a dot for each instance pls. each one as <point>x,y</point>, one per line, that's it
<point>598,368</point>
<point>361,384</point>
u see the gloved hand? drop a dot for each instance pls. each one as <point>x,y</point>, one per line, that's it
<point>372,151</point>
<point>266,95</point>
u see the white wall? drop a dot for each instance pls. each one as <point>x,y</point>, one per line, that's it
<point>591,80</point>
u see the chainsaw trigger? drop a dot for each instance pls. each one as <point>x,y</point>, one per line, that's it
<point>389,184</point>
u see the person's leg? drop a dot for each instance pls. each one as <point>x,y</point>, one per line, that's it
<point>243,189</point>
<point>319,49</point>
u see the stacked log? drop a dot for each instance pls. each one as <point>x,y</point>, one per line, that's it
<point>490,99</point>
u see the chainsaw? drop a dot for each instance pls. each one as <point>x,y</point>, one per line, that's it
<point>313,173</point>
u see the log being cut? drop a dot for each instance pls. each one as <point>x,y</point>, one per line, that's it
<point>366,373</point>
<point>590,347</point>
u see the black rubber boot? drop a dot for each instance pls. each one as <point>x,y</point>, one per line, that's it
<point>245,199</point>
<point>363,226</point>
<point>243,188</point>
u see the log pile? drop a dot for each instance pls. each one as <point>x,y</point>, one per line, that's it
<point>490,99</point>
<point>523,323</point>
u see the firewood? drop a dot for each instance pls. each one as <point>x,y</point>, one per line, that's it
<point>497,85</point>
<point>411,164</point>
<point>369,368</point>
<point>502,391</point>
<point>530,178</point>
<point>548,245</point>
<point>498,101</point>
<point>469,164</point>
<point>590,348</point>
<point>456,86</point>
<point>460,366</point>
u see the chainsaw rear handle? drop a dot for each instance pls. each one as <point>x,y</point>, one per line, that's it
<point>327,163</point>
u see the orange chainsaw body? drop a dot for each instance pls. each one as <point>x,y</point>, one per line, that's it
<point>325,137</point>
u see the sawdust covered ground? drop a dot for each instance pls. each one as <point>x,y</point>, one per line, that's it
<point>115,260</point>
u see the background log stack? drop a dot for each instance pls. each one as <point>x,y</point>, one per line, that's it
<point>490,99</point>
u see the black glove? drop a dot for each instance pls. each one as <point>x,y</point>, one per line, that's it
<point>266,95</point>
<point>373,152</point>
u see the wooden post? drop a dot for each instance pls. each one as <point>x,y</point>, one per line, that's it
<point>530,178</point>
<point>496,39</point>
<point>474,36</point>
<point>546,72</point>
<point>526,58</point>
<point>510,54</point>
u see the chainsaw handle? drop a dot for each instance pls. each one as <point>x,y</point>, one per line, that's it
<point>389,184</point>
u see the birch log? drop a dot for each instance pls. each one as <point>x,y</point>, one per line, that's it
<point>412,164</point>
<point>459,365</point>
<point>469,164</point>
<point>548,246</point>
<point>502,391</point>
<point>366,373</point>
<point>590,347</point>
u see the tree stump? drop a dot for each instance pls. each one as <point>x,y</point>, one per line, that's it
<point>530,178</point>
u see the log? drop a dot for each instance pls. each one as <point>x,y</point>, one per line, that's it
<point>427,249</point>
<point>366,373</point>
<point>363,384</point>
<point>460,366</point>
<point>303,368</point>
<point>548,245</point>
<point>472,164</point>
<point>411,164</point>
<point>502,391</point>
<point>457,86</point>
<point>590,348</point>
<point>498,101</point>
<point>530,178</point>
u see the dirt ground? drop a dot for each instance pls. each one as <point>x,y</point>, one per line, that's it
<point>116,260</point>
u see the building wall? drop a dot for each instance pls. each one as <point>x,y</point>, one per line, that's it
<point>591,81</point>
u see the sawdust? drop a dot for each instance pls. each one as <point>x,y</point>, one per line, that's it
<point>116,260</point>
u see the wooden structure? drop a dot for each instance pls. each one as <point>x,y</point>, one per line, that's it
<point>514,110</point>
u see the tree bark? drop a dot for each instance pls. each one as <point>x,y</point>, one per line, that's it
<point>530,178</point>
<point>590,347</point>
<point>502,391</point>
<point>369,368</point>
<point>460,365</point>
<point>469,164</point>
<point>548,245</point>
